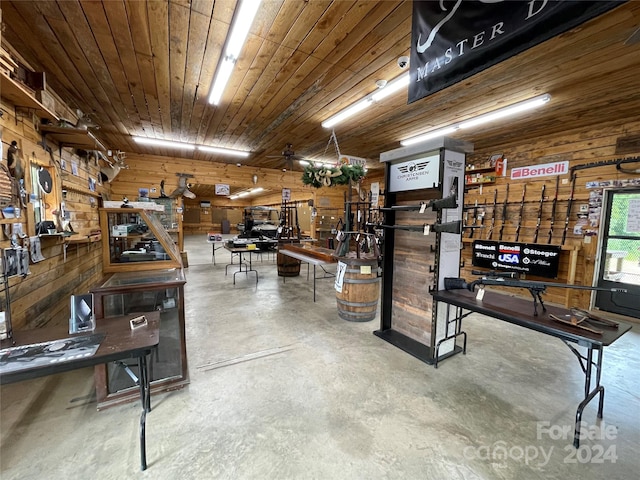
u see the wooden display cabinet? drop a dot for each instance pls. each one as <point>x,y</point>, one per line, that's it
<point>125,293</point>
<point>136,240</point>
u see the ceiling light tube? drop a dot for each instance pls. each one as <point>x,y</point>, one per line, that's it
<point>223,151</point>
<point>392,87</point>
<point>240,27</point>
<point>164,143</point>
<point>389,89</point>
<point>432,134</point>
<point>347,112</point>
<point>242,21</point>
<point>480,119</point>
<point>507,111</point>
<point>222,77</point>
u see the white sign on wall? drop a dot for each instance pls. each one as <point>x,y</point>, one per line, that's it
<point>415,174</point>
<point>544,170</point>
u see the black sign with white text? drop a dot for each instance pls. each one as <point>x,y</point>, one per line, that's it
<point>539,260</point>
<point>454,39</point>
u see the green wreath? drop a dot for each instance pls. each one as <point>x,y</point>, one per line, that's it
<point>330,176</point>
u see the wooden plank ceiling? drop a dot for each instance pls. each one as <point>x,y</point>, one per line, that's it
<point>145,68</point>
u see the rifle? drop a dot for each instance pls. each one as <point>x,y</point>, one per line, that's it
<point>504,213</point>
<point>435,204</point>
<point>553,210</point>
<point>535,235</point>
<point>449,227</point>
<point>493,215</point>
<point>569,204</point>
<point>536,289</point>
<point>473,226</point>
<point>524,191</point>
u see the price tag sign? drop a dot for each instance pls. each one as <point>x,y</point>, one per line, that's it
<point>427,229</point>
<point>480,294</point>
<point>365,269</point>
<point>423,207</point>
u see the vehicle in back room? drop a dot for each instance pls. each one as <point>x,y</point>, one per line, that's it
<point>259,221</point>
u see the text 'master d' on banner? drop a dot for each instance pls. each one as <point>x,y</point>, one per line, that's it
<point>454,39</point>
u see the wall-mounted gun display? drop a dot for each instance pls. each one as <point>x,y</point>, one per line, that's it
<point>536,288</point>
<point>535,235</point>
<point>553,210</point>
<point>493,215</point>
<point>521,212</point>
<point>504,213</point>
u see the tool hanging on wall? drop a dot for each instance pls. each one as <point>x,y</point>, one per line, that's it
<point>504,213</point>
<point>553,210</point>
<point>535,235</point>
<point>493,215</point>
<point>524,192</point>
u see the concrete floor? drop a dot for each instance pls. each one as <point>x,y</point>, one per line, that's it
<point>281,388</point>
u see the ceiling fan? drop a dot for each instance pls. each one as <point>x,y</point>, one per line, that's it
<point>288,155</point>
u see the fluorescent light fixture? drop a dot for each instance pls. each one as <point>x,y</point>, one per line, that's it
<point>480,119</point>
<point>507,111</point>
<point>189,146</point>
<point>392,87</point>
<point>244,193</point>
<point>240,26</point>
<point>347,112</point>
<point>223,151</point>
<point>303,162</point>
<point>222,77</point>
<point>432,134</point>
<point>164,143</point>
<point>242,21</point>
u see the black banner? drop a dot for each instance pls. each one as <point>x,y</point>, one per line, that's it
<point>452,40</point>
<point>534,259</point>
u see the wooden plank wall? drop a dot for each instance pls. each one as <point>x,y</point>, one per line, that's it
<point>147,171</point>
<point>608,142</point>
<point>42,298</point>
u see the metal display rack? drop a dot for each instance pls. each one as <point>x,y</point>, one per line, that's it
<point>424,198</point>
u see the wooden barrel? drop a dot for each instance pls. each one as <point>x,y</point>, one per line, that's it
<point>288,266</point>
<point>358,301</point>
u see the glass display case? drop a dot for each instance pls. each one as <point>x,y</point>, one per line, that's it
<point>136,240</point>
<point>134,293</point>
<point>170,219</point>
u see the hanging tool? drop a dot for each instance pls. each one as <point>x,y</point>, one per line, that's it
<point>553,210</point>
<point>493,215</point>
<point>524,192</point>
<point>535,235</point>
<point>569,205</point>
<point>504,213</point>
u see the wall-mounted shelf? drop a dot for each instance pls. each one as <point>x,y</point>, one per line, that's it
<point>72,137</point>
<point>468,170</point>
<point>21,97</point>
<point>478,176</point>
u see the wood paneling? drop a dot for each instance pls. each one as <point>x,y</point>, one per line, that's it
<point>145,68</point>
<point>42,297</point>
